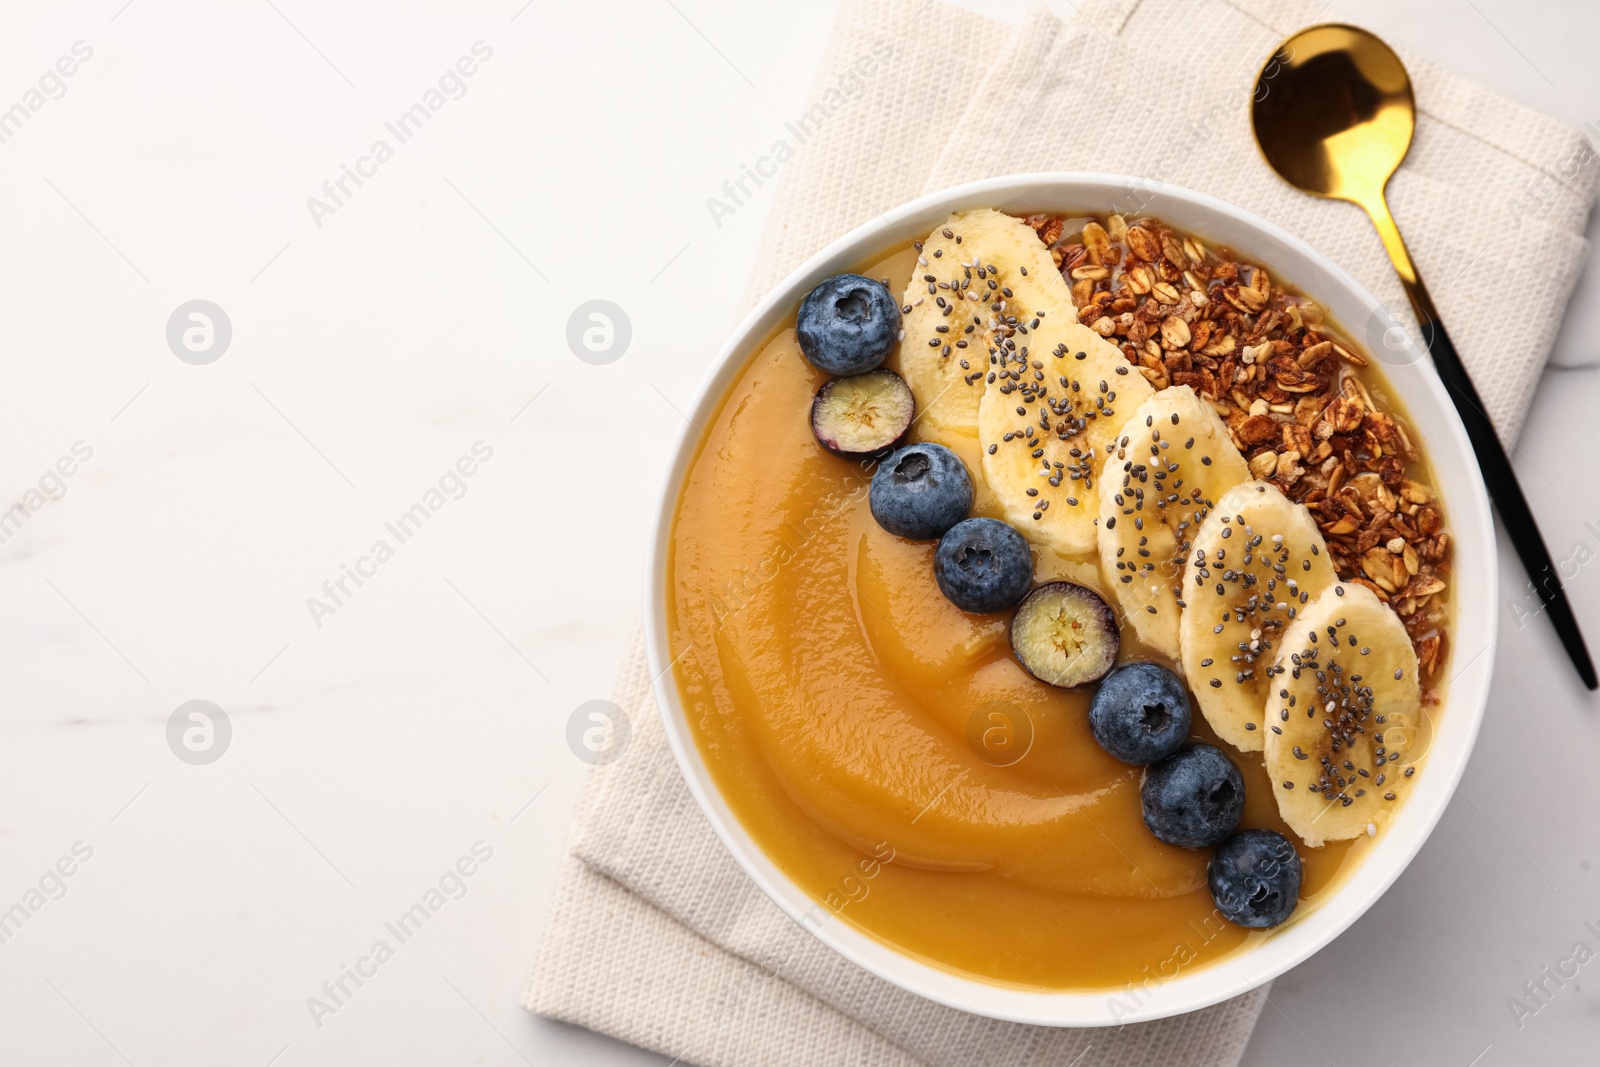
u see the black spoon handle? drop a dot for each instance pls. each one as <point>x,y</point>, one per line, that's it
<point>1502,484</point>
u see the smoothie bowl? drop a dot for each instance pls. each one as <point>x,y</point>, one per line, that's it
<point>1059,611</point>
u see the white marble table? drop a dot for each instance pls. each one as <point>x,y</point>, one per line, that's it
<point>377,337</point>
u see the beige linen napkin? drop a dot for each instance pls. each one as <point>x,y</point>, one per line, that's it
<point>654,935</point>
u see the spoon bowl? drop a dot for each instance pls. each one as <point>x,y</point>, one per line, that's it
<point>1335,116</point>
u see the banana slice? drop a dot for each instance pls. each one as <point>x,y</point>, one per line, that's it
<point>1256,559</point>
<point>1045,424</point>
<point>980,273</point>
<point>1345,673</point>
<point>994,352</point>
<point>1171,460</point>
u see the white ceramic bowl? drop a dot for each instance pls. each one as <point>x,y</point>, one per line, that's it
<point>1289,259</point>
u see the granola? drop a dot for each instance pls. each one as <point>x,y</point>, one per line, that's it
<point>1298,398</point>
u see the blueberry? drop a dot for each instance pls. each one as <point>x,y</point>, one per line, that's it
<point>1140,714</point>
<point>848,324</point>
<point>983,565</point>
<point>1193,798</point>
<point>920,492</point>
<point>864,415</point>
<point>1255,878</point>
<point>1065,634</point>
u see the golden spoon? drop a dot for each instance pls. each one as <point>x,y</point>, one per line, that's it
<point>1334,115</point>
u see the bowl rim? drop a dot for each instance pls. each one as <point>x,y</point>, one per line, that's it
<point>1471,525</point>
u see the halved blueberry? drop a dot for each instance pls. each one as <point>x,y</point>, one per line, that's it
<point>983,565</point>
<point>1065,634</point>
<point>864,414</point>
<point>1140,713</point>
<point>848,324</point>
<point>1255,878</point>
<point>920,492</point>
<point>1193,798</point>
